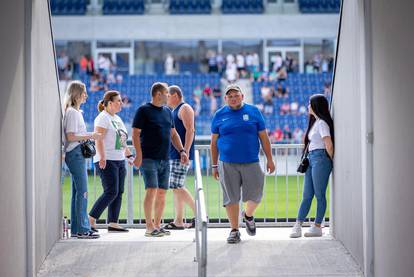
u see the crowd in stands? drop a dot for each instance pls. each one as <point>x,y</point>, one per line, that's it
<point>281,95</point>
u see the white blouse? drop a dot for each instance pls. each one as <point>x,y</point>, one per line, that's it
<point>319,130</point>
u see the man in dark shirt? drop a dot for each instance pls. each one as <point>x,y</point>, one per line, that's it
<point>152,132</point>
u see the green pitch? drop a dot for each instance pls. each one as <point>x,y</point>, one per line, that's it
<point>282,196</point>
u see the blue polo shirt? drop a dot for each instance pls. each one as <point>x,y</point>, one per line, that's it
<point>238,133</point>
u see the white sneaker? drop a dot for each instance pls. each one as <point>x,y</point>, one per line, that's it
<point>296,231</point>
<point>313,231</point>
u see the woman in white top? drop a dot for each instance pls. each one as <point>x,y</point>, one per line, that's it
<point>75,131</point>
<point>319,140</point>
<point>110,160</point>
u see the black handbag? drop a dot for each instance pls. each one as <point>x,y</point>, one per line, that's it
<point>88,148</point>
<point>304,161</point>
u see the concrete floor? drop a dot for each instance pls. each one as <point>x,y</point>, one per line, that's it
<point>270,253</point>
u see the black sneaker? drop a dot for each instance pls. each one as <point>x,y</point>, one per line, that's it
<point>234,237</point>
<point>93,229</point>
<point>88,235</point>
<point>250,225</point>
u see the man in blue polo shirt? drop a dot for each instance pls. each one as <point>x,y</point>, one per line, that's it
<point>237,131</point>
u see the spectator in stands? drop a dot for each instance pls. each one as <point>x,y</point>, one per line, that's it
<point>207,91</point>
<point>212,61</point>
<point>241,63</point>
<point>104,64</point>
<point>126,102</point>
<point>302,110</point>
<point>74,131</point>
<point>317,62</point>
<point>83,65</point>
<point>324,65</point>
<point>236,130</point>
<point>110,160</point>
<point>256,62</point>
<point>297,135</point>
<point>213,104</point>
<point>183,116</point>
<point>63,64</point>
<point>294,106</point>
<point>287,134</point>
<point>170,65</point>
<point>282,74</point>
<point>98,83</point>
<point>266,93</point>
<point>230,59</point>
<point>152,154</point>
<point>249,63</point>
<point>90,70</point>
<point>309,67</point>
<point>278,134</point>
<point>319,141</point>
<point>282,90</point>
<point>268,107</point>
<point>220,63</point>
<point>327,89</point>
<point>276,62</point>
<point>197,93</point>
<point>217,92</point>
<point>284,108</point>
<point>231,72</point>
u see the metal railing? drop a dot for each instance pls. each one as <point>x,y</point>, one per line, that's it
<point>281,197</point>
<point>201,219</point>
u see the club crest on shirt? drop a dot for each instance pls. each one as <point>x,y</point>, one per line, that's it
<point>246,117</point>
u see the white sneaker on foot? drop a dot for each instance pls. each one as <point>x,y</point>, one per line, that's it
<point>296,231</point>
<point>313,231</point>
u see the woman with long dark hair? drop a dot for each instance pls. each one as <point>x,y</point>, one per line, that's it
<point>319,145</point>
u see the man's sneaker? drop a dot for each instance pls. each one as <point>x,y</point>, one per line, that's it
<point>154,233</point>
<point>234,236</point>
<point>296,231</point>
<point>164,231</point>
<point>250,225</point>
<point>88,235</point>
<point>313,231</point>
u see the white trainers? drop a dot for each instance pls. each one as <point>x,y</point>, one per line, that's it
<point>296,231</point>
<point>313,231</point>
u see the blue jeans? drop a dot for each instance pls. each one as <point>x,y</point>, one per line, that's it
<point>76,163</point>
<point>113,182</point>
<point>316,182</point>
<point>156,173</point>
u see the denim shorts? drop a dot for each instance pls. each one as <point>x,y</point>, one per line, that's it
<point>155,173</point>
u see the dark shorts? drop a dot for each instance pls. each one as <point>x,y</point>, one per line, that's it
<point>155,173</point>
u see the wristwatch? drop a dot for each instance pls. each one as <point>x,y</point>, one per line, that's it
<point>182,150</point>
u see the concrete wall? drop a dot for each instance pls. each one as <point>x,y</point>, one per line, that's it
<point>46,134</point>
<point>12,146</point>
<point>30,205</point>
<point>347,175</point>
<point>393,114</point>
<point>373,185</point>
<point>164,27</point>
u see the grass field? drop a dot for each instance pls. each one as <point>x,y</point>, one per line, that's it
<point>281,198</point>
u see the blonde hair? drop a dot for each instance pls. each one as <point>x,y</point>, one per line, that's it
<point>108,97</point>
<point>73,93</point>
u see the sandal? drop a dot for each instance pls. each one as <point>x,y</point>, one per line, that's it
<point>172,226</point>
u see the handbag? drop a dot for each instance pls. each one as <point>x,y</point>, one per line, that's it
<point>304,161</point>
<point>88,148</point>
